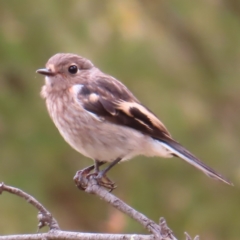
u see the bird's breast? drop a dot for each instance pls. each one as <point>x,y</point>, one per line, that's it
<point>97,138</point>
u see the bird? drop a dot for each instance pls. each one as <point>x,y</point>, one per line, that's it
<point>99,117</point>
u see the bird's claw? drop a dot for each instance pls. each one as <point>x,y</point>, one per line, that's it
<point>100,177</point>
<point>80,176</point>
<point>103,180</point>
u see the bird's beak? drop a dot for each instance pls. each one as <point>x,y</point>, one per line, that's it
<point>45,71</point>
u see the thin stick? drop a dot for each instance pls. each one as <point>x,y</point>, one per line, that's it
<point>90,184</point>
<point>44,216</point>
<point>60,235</point>
<point>160,232</point>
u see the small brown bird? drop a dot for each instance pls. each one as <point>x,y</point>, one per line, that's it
<point>100,118</point>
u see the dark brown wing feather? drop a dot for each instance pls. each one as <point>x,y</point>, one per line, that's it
<point>115,103</point>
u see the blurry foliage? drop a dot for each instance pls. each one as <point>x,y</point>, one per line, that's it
<point>181,58</point>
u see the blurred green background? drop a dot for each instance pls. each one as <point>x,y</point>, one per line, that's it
<point>180,58</point>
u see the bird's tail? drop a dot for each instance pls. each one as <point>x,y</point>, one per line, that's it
<point>178,150</point>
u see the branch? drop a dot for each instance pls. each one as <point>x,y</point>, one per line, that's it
<point>160,232</point>
<point>64,235</point>
<point>45,218</point>
<point>91,186</point>
<point>59,235</point>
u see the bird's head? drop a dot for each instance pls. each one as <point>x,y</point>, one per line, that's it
<point>65,68</point>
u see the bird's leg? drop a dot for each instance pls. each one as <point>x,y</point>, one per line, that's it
<point>96,168</point>
<point>97,164</point>
<point>112,164</point>
<point>86,173</point>
<point>101,176</point>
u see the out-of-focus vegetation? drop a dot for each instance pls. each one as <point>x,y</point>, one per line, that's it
<point>180,58</point>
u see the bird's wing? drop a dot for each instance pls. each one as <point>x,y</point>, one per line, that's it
<point>111,101</point>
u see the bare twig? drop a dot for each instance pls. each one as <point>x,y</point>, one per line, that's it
<point>160,231</point>
<point>45,218</point>
<point>76,236</point>
<point>64,235</point>
<point>189,238</point>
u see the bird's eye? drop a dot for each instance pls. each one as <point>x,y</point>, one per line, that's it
<point>73,69</point>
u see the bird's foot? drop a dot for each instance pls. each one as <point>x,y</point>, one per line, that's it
<point>103,180</point>
<point>80,177</point>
